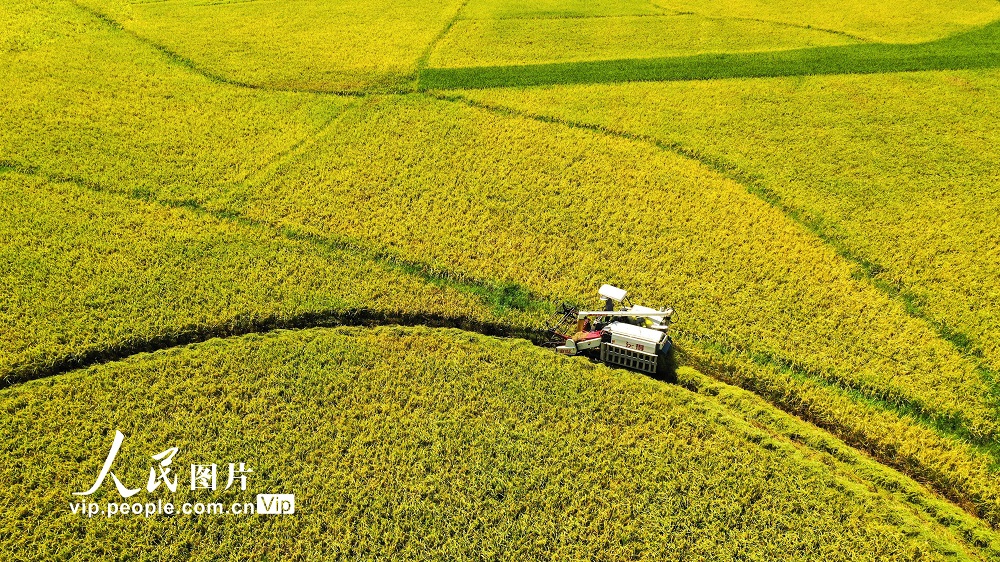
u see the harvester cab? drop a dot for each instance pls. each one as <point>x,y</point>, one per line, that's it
<point>622,334</point>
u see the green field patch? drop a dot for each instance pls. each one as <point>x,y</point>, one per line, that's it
<point>311,45</point>
<point>527,41</point>
<point>971,50</point>
<point>91,277</point>
<point>409,443</point>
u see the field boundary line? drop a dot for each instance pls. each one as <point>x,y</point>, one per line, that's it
<point>848,457</point>
<point>665,14</point>
<point>779,23</point>
<point>241,326</point>
<point>429,50</point>
<point>657,4</point>
<point>266,171</point>
<point>675,14</point>
<point>928,475</point>
<point>755,188</point>
<point>944,426</point>
<point>501,294</point>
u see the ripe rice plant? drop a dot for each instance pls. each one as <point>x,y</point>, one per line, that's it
<point>415,443</point>
<point>897,171</point>
<point>555,221</point>
<point>518,41</point>
<point>165,129</point>
<point>321,45</point>
<point>90,276</point>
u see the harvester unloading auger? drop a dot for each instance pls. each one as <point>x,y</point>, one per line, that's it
<point>623,334</point>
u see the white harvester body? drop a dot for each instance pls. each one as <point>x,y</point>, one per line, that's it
<point>629,336</point>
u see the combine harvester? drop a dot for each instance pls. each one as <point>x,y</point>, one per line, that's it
<point>623,334</point>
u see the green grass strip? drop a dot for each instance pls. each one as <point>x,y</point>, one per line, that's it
<point>975,49</point>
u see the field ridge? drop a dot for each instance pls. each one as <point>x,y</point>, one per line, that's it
<point>831,31</point>
<point>358,317</point>
<point>429,49</point>
<point>266,170</point>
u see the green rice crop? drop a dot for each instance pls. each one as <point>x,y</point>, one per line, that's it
<point>511,44</point>
<point>968,50</point>
<point>416,443</point>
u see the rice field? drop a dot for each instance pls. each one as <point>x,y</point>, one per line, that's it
<point>400,441</point>
<point>94,276</point>
<point>905,185</point>
<point>522,41</point>
<point>327,237</point>
<point>318,45</point>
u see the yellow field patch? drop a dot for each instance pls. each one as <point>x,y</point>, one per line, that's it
<point>530,41</point>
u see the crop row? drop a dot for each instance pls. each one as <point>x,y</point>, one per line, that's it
<point>415,443</point>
